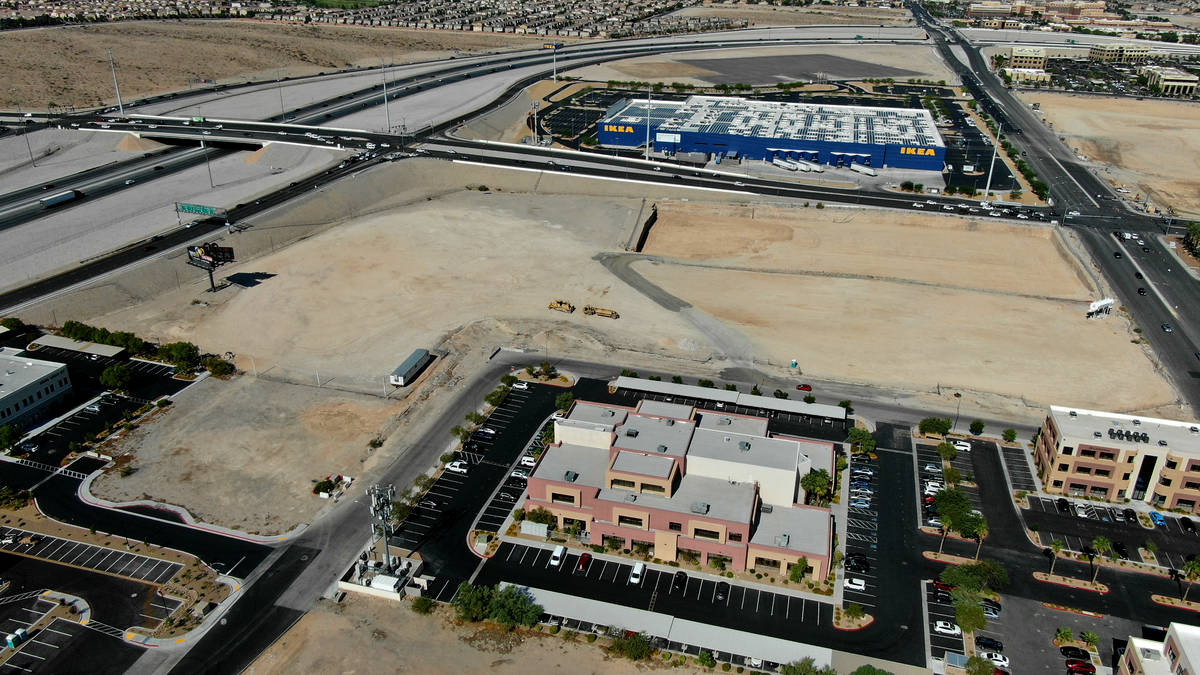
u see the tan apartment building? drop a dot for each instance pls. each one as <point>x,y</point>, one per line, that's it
<point>1122,52</point>
<point>1177,654</point>
<point>1170,81</point>
<point>1026,57</point>
<point>1087,453</point>
<point>980,10</point>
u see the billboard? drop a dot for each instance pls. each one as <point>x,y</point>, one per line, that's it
<point>209,255</point>
<point>660,137</point>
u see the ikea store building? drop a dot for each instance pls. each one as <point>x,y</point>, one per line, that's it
<point>838,135</point>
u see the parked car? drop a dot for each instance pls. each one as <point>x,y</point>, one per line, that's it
<point>487,431</point>
<point>529,460</point>
<point>946,628</point>
<point>1120,550</point>
<point>804,387</point>
<point>1080,666</point>
<point>458,467</point>
<point>1130,515</point>
<point>858,565</point>
<point>933,468</point>
<point>962,446</point>
<point>635,575</point>
<point>862,470</point>
<point>722,591</point>
<point>92,407</point>
<point>519,473</point>
<point>428,503</point>
<point>990,644</point>
<point>941,585</point>
<point>1187,524</point>
<point>1073,653</point>
<point>942,596</point>
<point>585,561</point>
<point>995,657</point>
<point>855,584</point>
<point>934,522</point>
<point>1141,291</point>
<point>860,503</point>
<point>1166,328</point>
<point>679,581</point>
<point>521,385</point>
<point>1158,519</point>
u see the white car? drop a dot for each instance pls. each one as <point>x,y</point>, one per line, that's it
<point>863,470</point>
<point>933,468</point>
<point>558,415</point>
<point>1000,660</point>
<point>962,446</point>
<point>946,628</point>
<point>487,430</point>
<point>521,385</point>
<point>918,205</point>
<point>934,522</point>
<point>529,460</point>
<point>855,584</point>
<point>458,467</point>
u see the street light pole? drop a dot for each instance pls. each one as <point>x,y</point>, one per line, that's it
<point>387,114</point>
<point>207,165</point>
<point>113,66</point>
<point>957,408</point>
<point>25,132</point>
<point>279,86</point>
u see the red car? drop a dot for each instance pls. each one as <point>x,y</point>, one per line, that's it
<point>942,585</point>
<point>1080,666</point>
<point>804,387</point>
<point>585,561</point>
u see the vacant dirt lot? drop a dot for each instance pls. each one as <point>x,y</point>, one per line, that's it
<point>372,631</point>
<point>904,300</point>
<point>243,453</point>
<point>1148,146</point>
<point>760,15</point>
<point>68,65</point>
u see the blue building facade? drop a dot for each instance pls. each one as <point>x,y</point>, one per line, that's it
<point>907,139</point>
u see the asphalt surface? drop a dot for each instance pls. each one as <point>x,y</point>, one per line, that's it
<point>68,647</point>
<point>116,601</point>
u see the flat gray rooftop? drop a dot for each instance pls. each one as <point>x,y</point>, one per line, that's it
<point>738,424</point>
<point>727,397</point>
<point>653,434</point>
<point>1180,437</point>
<point>732,502</point>
<point>774,453</point>
<point>663,409</point>
<point>596,413</point>
<point>17,372</point>
<point>589,463</point>
<point>806,529</point>
<point>60,342</point>
<point>657,466</point>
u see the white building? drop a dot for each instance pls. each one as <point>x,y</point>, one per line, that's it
<point>28,386</point>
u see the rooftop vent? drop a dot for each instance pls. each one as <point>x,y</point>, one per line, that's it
<point>1128,435</point>
<point>661,448</point>
<point>1163,443</point>
<point>607,413</point>
<point>700,508</point>
<point>765,508</point>
<point>725,421</point>
<point>1111,433</point>
<point>744,446</point>
<point>1097,434</point>
<point>1074,414</point>
<point>670,422</point>
<point>1194,430</point>
<point>632,433</point>
<point>783,540</point>
<point>1137,422</point>
<point>571,476</point>
<point>631,498</point>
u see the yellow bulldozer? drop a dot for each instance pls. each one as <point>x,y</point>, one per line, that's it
<point>562,306</point>
<point>600,311</point>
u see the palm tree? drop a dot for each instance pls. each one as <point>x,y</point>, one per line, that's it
<point>1064,634</point>
<point>981,533</point>
<point>1191,571</point>
<point>1057,547</point>
<point>1102,546</point>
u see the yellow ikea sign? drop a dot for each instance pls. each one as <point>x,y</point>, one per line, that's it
<point>619,128</point>
<point>927,152</point>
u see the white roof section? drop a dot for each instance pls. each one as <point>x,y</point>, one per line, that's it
<point>76,345</point>
<point>654,435</point>
<point>725,396</point>
<point>678,630</point>
<point>1187,637</point>
<point>1136,432</point>
<point>588,464</point>
<point>664,409</point>
<point>795,528</point>
<point>656,466</point>
<point>1150,656</point>
<point>788,405</point>
<point>738,424</point>
<point>774,453</point>
<point>20,371</point>
<point>594,413</point>
<point>738,116</point>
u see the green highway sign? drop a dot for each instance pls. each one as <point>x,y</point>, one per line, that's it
<point>200,209</point>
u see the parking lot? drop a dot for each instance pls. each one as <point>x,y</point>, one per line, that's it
<point>509,495</point>
<point>57,648</point>
<point>940,643</point>
<point>862,535</point>
<point>701,597</point>
<point>150,379</point>
<point>79,554</point>
<point>23,610</point>
<point>1020,474</point>
<point>1080,522</point>
<point>929,470</point>
<point>55,443</point>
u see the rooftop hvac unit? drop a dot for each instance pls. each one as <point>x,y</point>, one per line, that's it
<point>744,446</point>
<point>570,476</point>
<point>1073,414</point>
<point>765,508</point>
<point>661,448</point>
<point>782,540</point>
<point>725,421</point>
<point>631,498</point>
<point>700,508</point>
<point>1097,434</point>
<point>1128,435</point>
<point>607,413</point>
<point>670,423</point>
<point>1162,443</point>
<point>1111,433</point>
<point>632,433</point>
<point>1137,422</point>
<point>1194,430</point>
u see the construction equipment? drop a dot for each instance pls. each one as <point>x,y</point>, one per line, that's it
<point>600,311</point>
<point>562,306</point>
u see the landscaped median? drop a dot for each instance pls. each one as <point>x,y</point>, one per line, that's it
<point>1059,580</point>
<point>1190,605</point>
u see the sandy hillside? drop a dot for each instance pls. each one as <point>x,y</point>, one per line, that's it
<point>1148,146</point>
<point>762,15</point>
<point>922,60</point>
<point>243,453</point>
<point>371,631</point>
<point>69,66</point>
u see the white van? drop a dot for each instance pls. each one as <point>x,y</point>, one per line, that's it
<point>556,558</point>
<point>635,576</point>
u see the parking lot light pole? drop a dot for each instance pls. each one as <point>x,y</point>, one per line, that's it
<point>957,408</point>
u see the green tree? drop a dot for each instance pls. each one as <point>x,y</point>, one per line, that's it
<point>969,617</point>
<point>184,355</point>
<point>731,387</point>
<point>9,435</point>
<point>508,380</point>
<point>977,665</point>
<point>12,323</point>
<point>547,370</point>
<point>1090,637</point>
<point>218,367</point>
<point>634,647</point>
<point>542,515</point>
<point>779,393</point>
<point>977,427</point>
<point>1010,435</point>
<point>473,603</point>
<point>1064,634</point>
<point>461,433</point>
<point>947,451</point>
<point>755,391</point>
<point>854,611</point>
<point>1191,572</point>
<point>935,425</point>
<point>1102,546</point>
<point>953,476</point>
<point>496,397</point>
<point>810,399</point>
<point>705,659</point>
<point>870,670</point>
<point>980,531</point>
<point>805,666</point>
<point>675,379</point>
<point>116,376</point>
<point>475,417</point>
<point>422,605</point>
<point>848,405</point>
<point>564,401</point>
<point>798,569</point>
<point>862,439</point>
<point>1056,549</point>
<point>512,607</point>
<point>816,484</point>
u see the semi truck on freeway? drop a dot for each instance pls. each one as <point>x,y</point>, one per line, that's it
<point>60,198</point>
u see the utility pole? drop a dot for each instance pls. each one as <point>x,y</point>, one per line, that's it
<point>25,131</point>
<point>113,66</point>
<point>279,86</point>
<point>387,114</point>
<point>988,187</point>
<point>648,108</point>
<point>207,165</point>
<point>382,497</point>
<point>554,62</point>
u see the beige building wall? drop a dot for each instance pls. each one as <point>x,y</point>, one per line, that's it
<point>775,486</point>
<point>578,434</point>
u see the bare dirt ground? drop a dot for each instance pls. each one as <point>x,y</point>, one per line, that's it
<point>923,61</point>
<point>1148,146</point>
<point>374,631</point>
<point>905,300</point>
<point>68,65</point>
<point>760,15</point>
<point>244,452</point>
